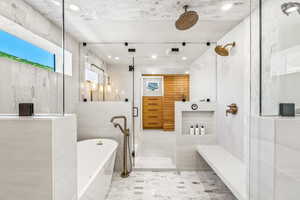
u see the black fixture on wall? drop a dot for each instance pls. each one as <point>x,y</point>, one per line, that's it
<point>131,68</point>
<point>175,49</point>
<point>26,109</point>
<point>287,110</point>
<point>131,50</point>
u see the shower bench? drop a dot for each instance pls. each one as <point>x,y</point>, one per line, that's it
<point>231,170</point>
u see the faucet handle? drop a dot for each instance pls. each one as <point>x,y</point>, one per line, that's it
<point>232,109</point>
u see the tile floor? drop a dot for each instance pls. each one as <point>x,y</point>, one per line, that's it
<point>154,163</point>
<point>155,150</point>
<point>186,185</point>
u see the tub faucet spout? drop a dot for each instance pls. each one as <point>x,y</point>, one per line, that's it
<point>123,129</point>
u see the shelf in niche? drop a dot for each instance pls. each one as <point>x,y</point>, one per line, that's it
<point>188,135</point>
<point>192,118</point>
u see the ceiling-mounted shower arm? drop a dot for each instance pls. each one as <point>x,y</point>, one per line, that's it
<point>224,50</point>
<point>230,44</point>
<point>185,7</point>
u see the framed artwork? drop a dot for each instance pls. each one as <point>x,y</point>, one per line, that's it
<point>152,85</point>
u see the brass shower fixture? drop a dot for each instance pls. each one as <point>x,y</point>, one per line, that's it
<point>224,50</point>
<point>187,20</point>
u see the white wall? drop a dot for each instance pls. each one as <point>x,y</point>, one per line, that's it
<point>280,51</point>
<point>94,122</point>
<point>24,83</point>
<point>233,82</point>
<point>203,73</point>
<point>228,78</point>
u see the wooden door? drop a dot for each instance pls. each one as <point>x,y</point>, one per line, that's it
<point>176,88</point>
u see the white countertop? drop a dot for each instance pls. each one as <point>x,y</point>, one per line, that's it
<point>36,117</point>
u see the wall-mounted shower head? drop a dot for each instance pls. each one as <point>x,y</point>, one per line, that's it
<point>290,7</point>
<point>223,50</point>
<point>187,20</point>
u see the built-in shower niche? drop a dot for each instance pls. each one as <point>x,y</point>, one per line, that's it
<point>200,118</point>
<point>186,117</point>
<point>187,157</point>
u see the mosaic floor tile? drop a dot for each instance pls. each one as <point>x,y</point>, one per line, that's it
<point>185,185</point>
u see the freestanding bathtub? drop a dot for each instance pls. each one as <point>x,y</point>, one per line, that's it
<point>95,168</point>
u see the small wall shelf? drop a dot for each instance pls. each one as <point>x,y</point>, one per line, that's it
<point>186,115</point>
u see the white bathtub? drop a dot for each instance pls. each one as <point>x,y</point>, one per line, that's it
<point>95,168</point>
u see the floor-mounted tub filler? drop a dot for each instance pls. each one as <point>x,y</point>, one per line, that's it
<point>96,160</point>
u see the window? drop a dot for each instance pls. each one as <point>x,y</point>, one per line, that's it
<point>19,50</point>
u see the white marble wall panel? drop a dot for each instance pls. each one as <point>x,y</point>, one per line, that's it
<point>203,77</point>
<point>279,36</point>
<point>187,157</point>
<point>25,83</point>
<point>94,122</point>
<point>275,173</point>
<point>38,158</point>
<point>262,158</point>
<point>287,177</point>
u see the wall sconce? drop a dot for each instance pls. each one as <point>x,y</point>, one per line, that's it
<point>108,86</point>
<point>101,88</point>
<point>93,87</point>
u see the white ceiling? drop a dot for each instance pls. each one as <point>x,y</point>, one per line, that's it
<point>145,21</point>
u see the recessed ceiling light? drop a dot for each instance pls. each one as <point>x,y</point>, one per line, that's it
<point>74,7</point>
<point>117,58</point>
<point>56,2</point>
<point>109,57</point>
<point>184,58</point>
<point>227,6</point>
<point>154,56</point>
<point>187,72</point>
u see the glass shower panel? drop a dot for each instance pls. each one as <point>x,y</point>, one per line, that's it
<point>274,142</point>
<point>94,81</point>
<point>280,67</point>
<point>31,56</point>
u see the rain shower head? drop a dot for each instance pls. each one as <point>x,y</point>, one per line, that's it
<point>290,7</point>
<point>223,50</point>
<point>187,20</point>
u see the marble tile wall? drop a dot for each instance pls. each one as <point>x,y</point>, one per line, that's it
<point>274,170</point>
<point>38,158</point>
<point>24,83</point>
<point>94,122</point>
<point>232,81</point>
<point>280,43</point>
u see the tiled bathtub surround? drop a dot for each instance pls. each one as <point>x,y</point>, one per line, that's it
<point>185,185</point>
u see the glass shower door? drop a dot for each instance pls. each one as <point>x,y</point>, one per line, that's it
<point>274,143</point>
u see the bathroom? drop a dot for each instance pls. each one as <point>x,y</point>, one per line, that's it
<point>113,100</point>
